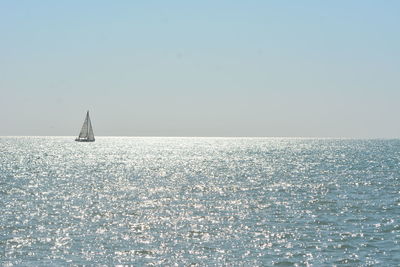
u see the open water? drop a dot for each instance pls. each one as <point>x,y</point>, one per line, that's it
<point>199,201</point>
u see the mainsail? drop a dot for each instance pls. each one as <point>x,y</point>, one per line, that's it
<point>86,134</point>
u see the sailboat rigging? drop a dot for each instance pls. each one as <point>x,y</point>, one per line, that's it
<point>86,134</point>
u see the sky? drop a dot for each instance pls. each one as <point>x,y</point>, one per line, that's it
<point>201,68</point>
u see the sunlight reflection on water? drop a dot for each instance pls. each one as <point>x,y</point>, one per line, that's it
<point>206,201</point>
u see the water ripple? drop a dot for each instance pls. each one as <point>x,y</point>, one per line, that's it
<point>199,201</point>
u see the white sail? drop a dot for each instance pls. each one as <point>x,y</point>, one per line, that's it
<point>86,134</point>
<point>90,133</point>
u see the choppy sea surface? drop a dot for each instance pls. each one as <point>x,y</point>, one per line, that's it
<point>199,201</point>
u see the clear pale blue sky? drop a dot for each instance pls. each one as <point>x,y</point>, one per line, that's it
<point>201,68</point>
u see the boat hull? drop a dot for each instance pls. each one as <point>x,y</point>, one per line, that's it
<point>83,140</point>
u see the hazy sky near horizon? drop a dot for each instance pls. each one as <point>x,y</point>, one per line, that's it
<point>201,68</point>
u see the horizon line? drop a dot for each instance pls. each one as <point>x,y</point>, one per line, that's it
<point>183,136</point>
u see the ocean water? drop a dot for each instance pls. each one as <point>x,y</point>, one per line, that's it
<point>199,201</point>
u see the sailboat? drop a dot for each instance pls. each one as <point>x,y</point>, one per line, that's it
<point>86,134</point>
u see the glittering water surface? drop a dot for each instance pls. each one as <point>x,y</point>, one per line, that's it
<point>205,201</point>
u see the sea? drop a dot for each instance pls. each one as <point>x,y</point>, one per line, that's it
<point>158,201</point>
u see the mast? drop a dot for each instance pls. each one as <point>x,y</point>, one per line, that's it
<point>87,118</point>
